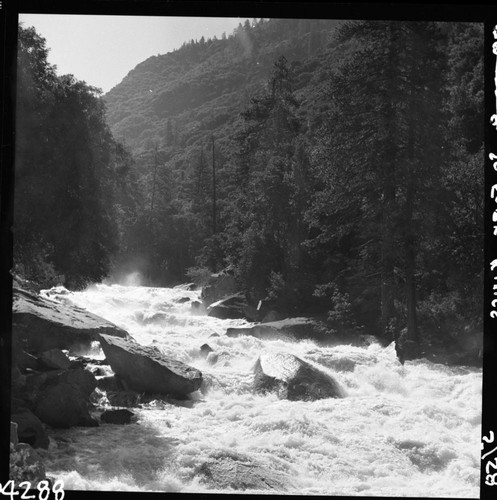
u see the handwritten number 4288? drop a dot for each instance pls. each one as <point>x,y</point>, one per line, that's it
<point>43,488</point>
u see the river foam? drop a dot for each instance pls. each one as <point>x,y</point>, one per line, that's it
<point>411,430</point>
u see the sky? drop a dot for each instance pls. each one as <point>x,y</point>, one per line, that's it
<point>101,50</point>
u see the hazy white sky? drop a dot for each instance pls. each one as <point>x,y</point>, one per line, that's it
<point>101,50</point>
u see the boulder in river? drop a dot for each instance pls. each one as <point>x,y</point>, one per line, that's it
<point>220,285</point>
<point>232,471</point>
<point>205,349</point>
<point>40,324</point>
<point>182,300</point>
<point>61,398</point>
<point>63,406</point>
<point>293,378</point>
<point>146,369</point>
<point>231,307</point>
<point>119,417</point>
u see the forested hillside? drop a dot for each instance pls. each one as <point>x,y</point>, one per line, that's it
<point>334,168</point>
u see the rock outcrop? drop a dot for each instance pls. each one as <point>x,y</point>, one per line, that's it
<point>61,398</point>
<point>231,307</point>
<point>220,285</point>
<point>39,324</point>
<point>293,378</point>
<point>146,369</point>
<point>237,472</point>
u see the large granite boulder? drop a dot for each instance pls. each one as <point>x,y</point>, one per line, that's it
<point>60,398</point>
<point>220,285</point>
<point>293,378</point>
<point>84,380</point>
<point>238,472</point>
<point>146,369</point>
<point>40,324</point>
<point>231,307</point>
<point>287,329</point>
<point>63,406</point>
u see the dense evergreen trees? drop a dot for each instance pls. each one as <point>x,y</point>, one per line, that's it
<point>349,184</point>
<point>70,174</point>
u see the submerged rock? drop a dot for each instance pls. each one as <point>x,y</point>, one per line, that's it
<point>293,378</point>
<point>128,398</point>
<point>182,300</point>
<point>205,349</point>
<point>235,471</point>
<point>197,307</point>
<point>146,369</point>
<point>119,417</point>
<point>39,324</point>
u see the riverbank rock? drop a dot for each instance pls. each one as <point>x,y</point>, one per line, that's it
<point>232,471</point>
<point>293,378</point>
<point>61,398</point>
<point>120,417</point>
<point>146,369</point>
<point>232,307</point>
<point>30,429</point>
<point>55,359</point>
<point>25,464</point>
<point>220,285</point>
<point>39,324</point>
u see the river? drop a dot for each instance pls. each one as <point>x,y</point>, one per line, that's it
<point>411,430</point>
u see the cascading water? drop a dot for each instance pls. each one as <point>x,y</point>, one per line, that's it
<point>410,430</point>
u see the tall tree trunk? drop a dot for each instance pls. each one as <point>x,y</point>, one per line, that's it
<point>409,237</point>
<point>214,207</point>
<point>387,260</point>
<point>388,204</point>
<point>410,258</point>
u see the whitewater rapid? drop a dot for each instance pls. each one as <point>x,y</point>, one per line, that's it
<point>411,430</point>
